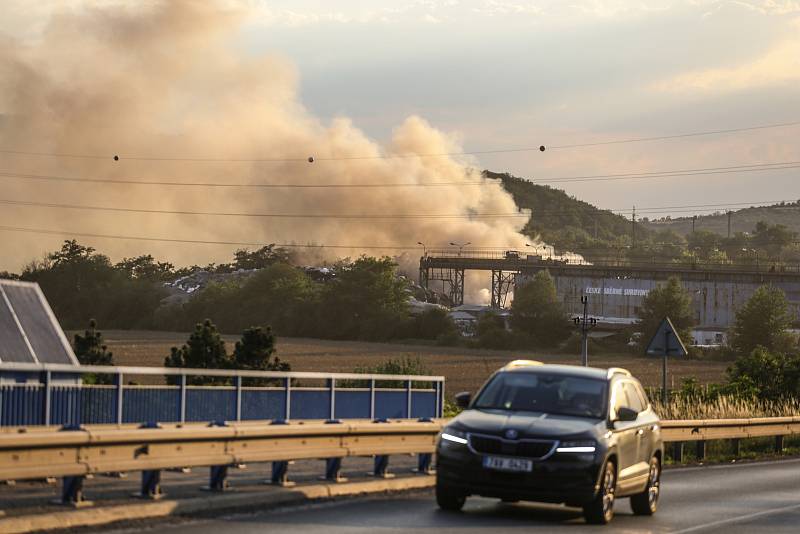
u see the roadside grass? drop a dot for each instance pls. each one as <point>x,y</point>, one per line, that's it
<point>725,407</point>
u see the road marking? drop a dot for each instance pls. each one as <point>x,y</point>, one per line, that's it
<point>738,519</point>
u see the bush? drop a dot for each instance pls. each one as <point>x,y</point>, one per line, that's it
<point>205,349</point>
<point>401,366</point>
<point>492,333</point>
<point>766,375</point>
<point>434,323</point>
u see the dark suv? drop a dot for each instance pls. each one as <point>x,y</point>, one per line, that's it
<point>553,433</point>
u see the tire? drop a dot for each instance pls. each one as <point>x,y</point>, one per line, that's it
<point>646,503</point>
<point>449,499</point>
<point>601,509</point>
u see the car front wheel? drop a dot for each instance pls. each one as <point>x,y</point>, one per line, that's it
<point>601,509</point>
<point>448,498</point>
<point>646,503</point>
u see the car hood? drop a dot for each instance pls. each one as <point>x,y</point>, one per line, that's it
<point>527,424</point>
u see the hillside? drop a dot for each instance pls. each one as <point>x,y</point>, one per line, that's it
<point>566,222</point>
<point>743,220</point>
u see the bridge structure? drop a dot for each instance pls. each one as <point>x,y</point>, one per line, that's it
<point>615,289</point>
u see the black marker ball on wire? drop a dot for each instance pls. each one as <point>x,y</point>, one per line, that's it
<point>311,159</point>
<point>116,158</point>
<point>541,148</point>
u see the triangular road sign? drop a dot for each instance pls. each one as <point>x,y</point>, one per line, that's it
<point>666,341</point>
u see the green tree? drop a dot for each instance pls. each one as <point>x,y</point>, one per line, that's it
<point>772,238</point>
<point>366,300</point>
<point>281,295</point>
<point>254,352</point>
<point>666,300</point>
<point>90,350</point>
<point>537,312</point>
<point>80,283</point>
<point>146,267</point>
<point>205,349</point>
<point>260,258</point>
<point>763,321</point>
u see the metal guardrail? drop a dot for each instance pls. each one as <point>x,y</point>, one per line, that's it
<point>710,429</point>
<point>44,394</point>
<point>74,453</point>
<point>43,452</point>
<point>699,431</point>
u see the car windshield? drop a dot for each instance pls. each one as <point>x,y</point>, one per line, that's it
<point>555,394</point>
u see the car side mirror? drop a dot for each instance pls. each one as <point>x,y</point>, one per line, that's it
<point>627,415</point>
<point>463,398</point>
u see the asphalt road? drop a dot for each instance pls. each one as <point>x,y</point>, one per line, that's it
<point>743,498</point>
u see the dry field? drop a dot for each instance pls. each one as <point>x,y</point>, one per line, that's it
<point>464,369</point>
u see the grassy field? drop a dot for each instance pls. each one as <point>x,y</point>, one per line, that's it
<point>464,369</point>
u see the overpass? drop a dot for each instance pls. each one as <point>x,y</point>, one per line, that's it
<point>615,289</point>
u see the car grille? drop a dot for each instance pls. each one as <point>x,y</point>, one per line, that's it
<point>528,448</point>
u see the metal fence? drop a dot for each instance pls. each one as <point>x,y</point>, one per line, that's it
<point>54,395</point>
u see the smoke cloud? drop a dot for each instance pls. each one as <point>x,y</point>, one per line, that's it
<point>167,80</point>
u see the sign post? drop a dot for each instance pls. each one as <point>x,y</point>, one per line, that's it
<point>665,342</point>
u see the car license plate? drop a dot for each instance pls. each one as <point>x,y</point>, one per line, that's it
<point>507,464</point>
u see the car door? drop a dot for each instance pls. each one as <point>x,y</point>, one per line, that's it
<point>624,432</point>
<point>642,429</point>
<point>649,432</point>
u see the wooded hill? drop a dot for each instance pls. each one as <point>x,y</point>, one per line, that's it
<point>566,222</point>
<point>742,220</point>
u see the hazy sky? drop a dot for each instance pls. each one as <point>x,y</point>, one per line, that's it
<point>507,74</point>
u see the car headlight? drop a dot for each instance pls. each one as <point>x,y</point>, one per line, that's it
<point>579,446</point>
<point>454,436</point>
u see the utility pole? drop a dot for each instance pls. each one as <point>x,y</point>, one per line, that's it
<point>694,220</point>
<point>633,228</point>
<point>585,323</point>
<point>730,213</point>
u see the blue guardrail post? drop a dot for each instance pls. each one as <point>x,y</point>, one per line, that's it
<point>218,474</point>
<point>333,466</point>
<point>280,470</point>
<point>72,487</point>
<point>425,459</point>
<point>381,465</point>
<point>151,480</point>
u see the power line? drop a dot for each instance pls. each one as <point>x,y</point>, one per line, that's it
<point>678,136</point>
<point>128,181</point>
<point>200,241</point>
<point>753,167</point>
<point>265,215</point>
<point>760,167</point>
<point>534,212</point>
<point>311,159</point>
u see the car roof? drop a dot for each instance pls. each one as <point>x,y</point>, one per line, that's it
<point>526,366</point>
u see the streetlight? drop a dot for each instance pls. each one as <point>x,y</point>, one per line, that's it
<point>424,250</point>
<point>460,246</point>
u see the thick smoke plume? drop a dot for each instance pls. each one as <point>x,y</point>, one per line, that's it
<point>167,80</point>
